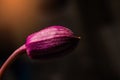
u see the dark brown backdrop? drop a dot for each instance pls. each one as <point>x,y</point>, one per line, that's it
<point>97,56</point>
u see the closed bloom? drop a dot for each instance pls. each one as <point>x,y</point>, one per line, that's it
<point>51,42</point>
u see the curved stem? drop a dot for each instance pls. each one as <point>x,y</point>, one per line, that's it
<point>11,58</point>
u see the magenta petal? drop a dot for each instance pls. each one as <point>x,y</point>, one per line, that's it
<point>51,42</point>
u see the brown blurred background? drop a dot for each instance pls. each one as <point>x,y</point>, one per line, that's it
<point>97,57</point>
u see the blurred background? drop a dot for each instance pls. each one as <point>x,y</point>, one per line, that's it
<point>97,56</point>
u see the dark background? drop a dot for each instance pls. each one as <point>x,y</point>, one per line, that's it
<point>97,56</point>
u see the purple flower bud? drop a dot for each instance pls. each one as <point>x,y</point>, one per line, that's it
<point>51,42</point>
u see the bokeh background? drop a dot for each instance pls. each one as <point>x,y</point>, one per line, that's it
<point>97,56</point>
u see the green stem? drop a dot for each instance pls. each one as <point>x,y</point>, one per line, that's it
<point>11,58</point>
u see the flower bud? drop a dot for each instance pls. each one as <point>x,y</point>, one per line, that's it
<point>51,42</point>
